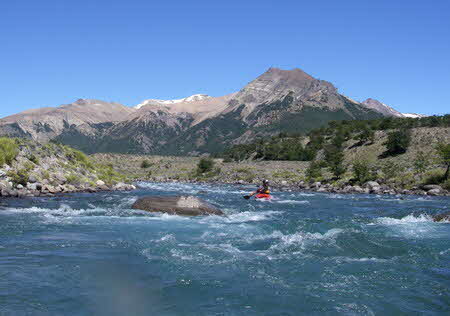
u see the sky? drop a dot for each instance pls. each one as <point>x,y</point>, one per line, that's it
<point>55,52</point>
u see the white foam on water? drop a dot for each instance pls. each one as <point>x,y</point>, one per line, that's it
<point>302,239</point>
<point>444,252</point>
<point>306,194</point>
<point>337,196</point>
<point>365,259</point>
<point>166,238</point>
<point>193,188</point>
<point>182,255</point>
<point>411,226</point>
<point>423,218</point>
<point>241,217</point>
<point>224,247</point>
<point>66,214</point>
<point>292,202</point>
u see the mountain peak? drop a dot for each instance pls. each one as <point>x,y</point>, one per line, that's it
<point>295,73</point>
<point>380,107</point>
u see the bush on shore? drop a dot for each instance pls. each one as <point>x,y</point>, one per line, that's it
<point>314,170</point>
<point>8,150</point>
<point>444,158</point>
<point>205,165</point>
<point>146,164</point>
<point>362,171</point>
<point>398,142</point>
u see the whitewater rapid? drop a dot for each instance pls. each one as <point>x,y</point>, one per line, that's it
<point>300,253</point>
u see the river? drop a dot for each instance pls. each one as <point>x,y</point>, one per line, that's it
<point>299,254</point>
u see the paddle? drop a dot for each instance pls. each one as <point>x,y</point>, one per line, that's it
<point>247,197</point>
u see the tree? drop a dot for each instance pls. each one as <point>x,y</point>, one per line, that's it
<point>420,163</point>
<point>391,169</point>
<point>334,157</point>
<point>363,171</point>
<point>398,142</point>
<point>146,164</point>
<point>205,165</point>
<point>366,135</point>
<point>338,139</point>
<point>444,157</point>
<point>314,170</point>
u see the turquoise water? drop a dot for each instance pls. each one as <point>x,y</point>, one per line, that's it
<point>301,254</point>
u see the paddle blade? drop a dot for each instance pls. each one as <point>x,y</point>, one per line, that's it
<point>247,197</point>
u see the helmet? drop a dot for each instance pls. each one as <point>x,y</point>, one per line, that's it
<point>265,181</point>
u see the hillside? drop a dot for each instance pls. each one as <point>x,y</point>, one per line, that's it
<point>416,169</point>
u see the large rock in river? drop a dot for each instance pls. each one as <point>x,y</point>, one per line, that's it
<point>179,205</point>
<point>443,217</point>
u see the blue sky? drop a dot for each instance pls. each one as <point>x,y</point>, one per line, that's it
<point>54,52</point>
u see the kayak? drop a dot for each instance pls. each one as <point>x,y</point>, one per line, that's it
<point>263,196</point>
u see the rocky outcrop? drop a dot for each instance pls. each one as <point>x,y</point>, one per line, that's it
<point>177,205</point>
<point>46,170</point>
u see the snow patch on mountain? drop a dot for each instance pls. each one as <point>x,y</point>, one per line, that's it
<point>413,115</point>
<point>192,98</point>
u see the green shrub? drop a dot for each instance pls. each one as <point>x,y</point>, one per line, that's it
<point>362,171</point>
<point>334,157</point>
<point>20,176</point>
<point>205,165</point>
<point>433,177</point>
<point>390,170</point>
<point>8,150</point>
<point>398,142</point>
<point>405,180</point>
<point>446,185</point>
<point>314,170</point>
<point>107,174</point>
<point>76,156</point>
<point>444,157</point>
<point>73,179</point>
<point>366,135</point>
<point>420,163</point>
<point>146,164</point>
<point>33,159</point>
<point>46,174</point>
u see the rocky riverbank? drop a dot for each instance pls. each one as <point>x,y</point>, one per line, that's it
<point>371,187</point>
<point>31,169</point>
<point>283,175</point>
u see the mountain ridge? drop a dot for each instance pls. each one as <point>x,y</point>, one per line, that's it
<point>276,101</point>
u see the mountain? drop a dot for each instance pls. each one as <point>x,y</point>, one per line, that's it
<point>381,107</point>
<point>387,110</point>
<point>277,101</point>
<point>46,123</point>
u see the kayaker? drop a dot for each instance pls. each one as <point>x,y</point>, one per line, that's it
<point>263,191</point>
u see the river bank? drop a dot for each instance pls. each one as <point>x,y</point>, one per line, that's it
<point>283,175</point>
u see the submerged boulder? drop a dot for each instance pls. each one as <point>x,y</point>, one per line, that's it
<point>179,205</point>
<point>444,217</point>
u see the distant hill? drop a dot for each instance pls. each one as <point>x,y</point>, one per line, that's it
<point>277,101</point>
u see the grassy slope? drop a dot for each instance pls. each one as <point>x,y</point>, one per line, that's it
<point>182,168</point>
